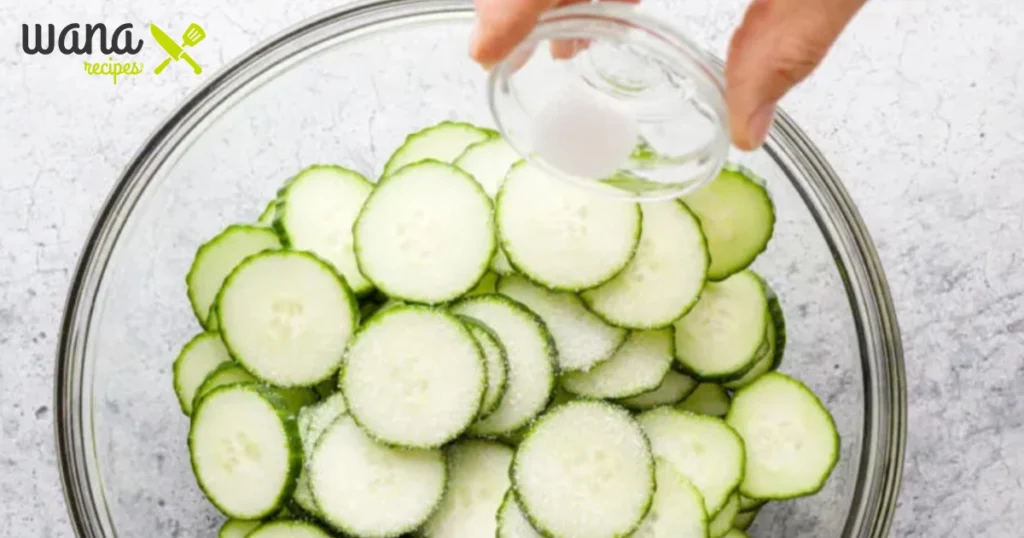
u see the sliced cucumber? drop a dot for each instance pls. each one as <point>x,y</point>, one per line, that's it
<point>197,359</point>
<point>266,218</point>
<point>316,210</point>
<point>585,470</point>
<point>704,449</point>
<point>217,257</point>
<point>778,319</point>
<point>745,519</point>
<point>477,482</point>
<point>489,161</point>
<point>736,533</point>
<point>672,390</point>
<point>748,504</point>
<point>245,451</point>
<point>287,317</point>
<point>707,399</point>
<point>414,377</point>
<point>211,320</point>
<point>561,236</point>
<point>639,366</point>
<point>763,365</point>
<point>303,495</point>
<point>408,230</point>
<point>665,278</point>
<point>677,510</point>
<point>512,522</point>
<point>738,218</point>
<point>531,361</point>
<point>321,417</point>
<point>495,362</point>
<point>367,489</point>
<point>228,373</point>
<point>722,337</point>
<point>582,339</point>
<point>488,284</point>
<point>722,522</point>
<point>238,528</point>
<point>791,439</point>
<point>289,529</point>
<point>444,142</point>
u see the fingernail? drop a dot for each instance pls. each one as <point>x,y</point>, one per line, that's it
<point>760,122</point>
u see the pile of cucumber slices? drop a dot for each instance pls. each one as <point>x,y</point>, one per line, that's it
<point>469,348</point>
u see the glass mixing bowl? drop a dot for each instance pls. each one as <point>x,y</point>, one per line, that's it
<point>345,88</point>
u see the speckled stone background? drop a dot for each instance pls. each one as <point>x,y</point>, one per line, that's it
<point>919,109</point>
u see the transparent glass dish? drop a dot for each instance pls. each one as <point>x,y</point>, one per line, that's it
<point>326,92</point>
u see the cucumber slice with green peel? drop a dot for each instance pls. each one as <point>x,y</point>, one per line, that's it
<point>672,390</point>
<point>561,236</point>
<point>203,354</point>
<point>723,336</point>
<point>791,439</point>
<point>664,279</point>
<point>495,362</point>
<point>722,523</point>
<point>245,451</point>
<point>531,361</point>
<point>639,366</point>
<point>707,399</point>
<point>763,364</point>
<point>444,142</point>
<point>582,339</point>
<point>477,482</point>
<point>211,320</point>
<point>289,529</point>
<point>266,218</point>
<point>287,317</point>
<point>488,284</point>
<point>748,504</point>
<point>414,377</point>
<point>228,373</point>
<point>736,533</point>
<point>407,232</point>
<point>704,449</point>
<point>316,210</point>
<point>366,489</point>
<point>677,510</point>
<point>216,258</point>
<point>488,161</point>
<point>585,470</point>
<point>738,219</point>
<point>778,319</point>
<point>238,528</point>
<point>321,416</point>
<point>303,495</point>
<point>512,522</point>
<point>745,519</point>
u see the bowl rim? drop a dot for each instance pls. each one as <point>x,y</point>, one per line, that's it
<point>883,438</point>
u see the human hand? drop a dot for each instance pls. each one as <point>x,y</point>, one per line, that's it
<point>778,44</point>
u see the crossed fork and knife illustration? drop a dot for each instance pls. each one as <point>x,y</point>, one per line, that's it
<point>192,36</point>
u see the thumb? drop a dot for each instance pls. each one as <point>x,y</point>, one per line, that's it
<point>779,44</point>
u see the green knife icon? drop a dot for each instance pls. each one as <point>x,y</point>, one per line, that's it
<point>193,35</point>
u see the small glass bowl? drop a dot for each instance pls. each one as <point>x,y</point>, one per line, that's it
<point>609,97</point>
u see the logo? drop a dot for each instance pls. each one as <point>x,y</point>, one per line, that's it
<point>78,40</point>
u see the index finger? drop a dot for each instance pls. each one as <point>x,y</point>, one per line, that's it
<point>502,24</point>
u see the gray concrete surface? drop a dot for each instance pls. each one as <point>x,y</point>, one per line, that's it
<point>919,108</point>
